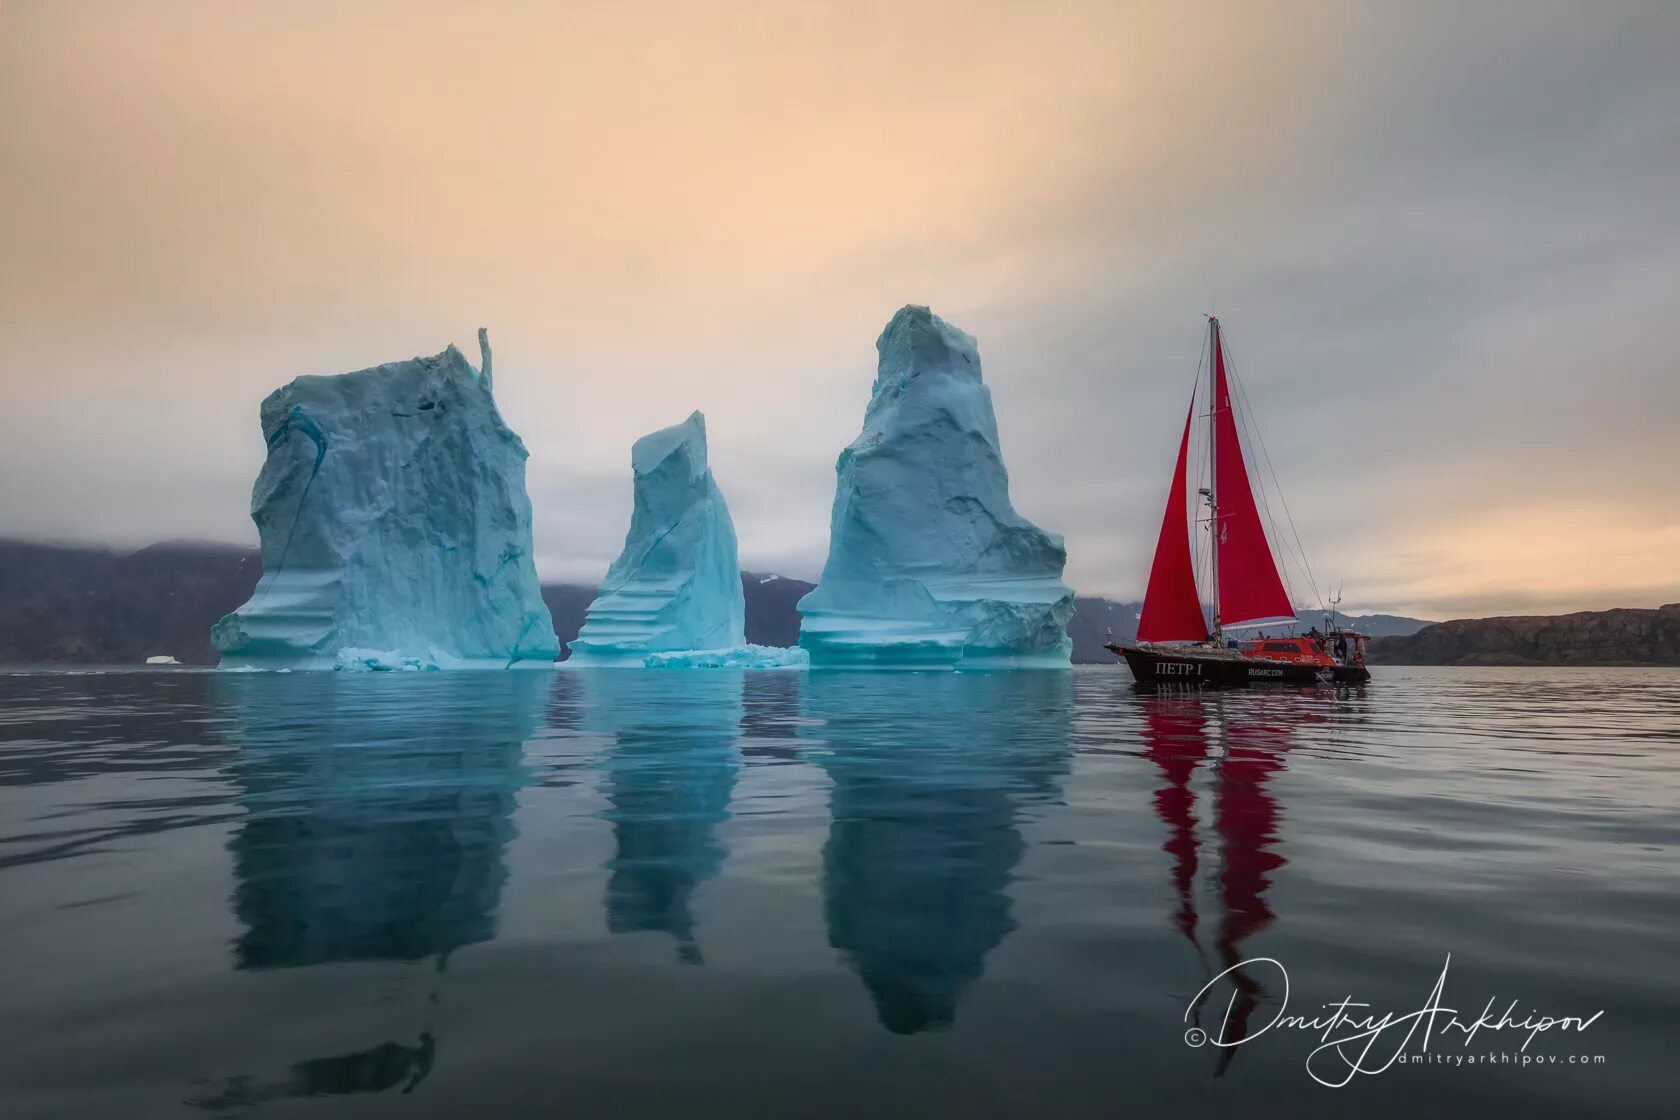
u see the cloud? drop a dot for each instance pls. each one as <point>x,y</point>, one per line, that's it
<point>1442,240</point>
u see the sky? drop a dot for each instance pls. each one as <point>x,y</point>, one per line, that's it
<point>1443,239</point>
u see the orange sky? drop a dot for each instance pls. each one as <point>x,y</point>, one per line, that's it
<point>1447,236</point>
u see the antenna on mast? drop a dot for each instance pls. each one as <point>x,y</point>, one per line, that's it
<point>1335,603</point>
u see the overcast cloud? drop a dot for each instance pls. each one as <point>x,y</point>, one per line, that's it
<point>1444,240</point>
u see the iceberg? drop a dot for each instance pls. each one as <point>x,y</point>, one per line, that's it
<point>677,584</point>
<point>395,527</point>
<point>929,565</point>
<point>737,657</point>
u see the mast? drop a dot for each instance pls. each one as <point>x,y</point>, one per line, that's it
<point>1244,584</point>
<point>1212,491</point>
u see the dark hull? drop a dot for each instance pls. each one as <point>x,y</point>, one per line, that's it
<point>1158,666</point>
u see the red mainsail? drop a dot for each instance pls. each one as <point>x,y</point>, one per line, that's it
<point>1250,588</point>
<point>1172,611</point>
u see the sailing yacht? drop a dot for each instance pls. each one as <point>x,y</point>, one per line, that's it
<point>1176,641</point>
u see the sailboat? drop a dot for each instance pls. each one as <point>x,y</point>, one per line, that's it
<point>1176,642</point>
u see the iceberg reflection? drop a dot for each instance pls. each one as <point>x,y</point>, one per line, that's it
<point>379,810</point>
<point>931,773</point>
<point>668,780</point>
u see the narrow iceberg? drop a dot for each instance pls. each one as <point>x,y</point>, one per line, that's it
<point>677,584</point>
<point>929,565</point>
<point>395,527</point>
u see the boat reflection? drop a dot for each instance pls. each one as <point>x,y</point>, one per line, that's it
<point>932,774</point>
<point>379,809</point>
<point>668,779</point>
<point>1239,742</point>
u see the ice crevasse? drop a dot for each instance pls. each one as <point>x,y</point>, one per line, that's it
<point>395,527</point>
<point>929,564</point>
<point>673,597</point>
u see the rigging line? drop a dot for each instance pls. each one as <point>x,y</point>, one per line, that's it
<point>1204,550</point>
<point>1251,431</point>
<point>1297,551</point>
<point>1249,425</point>
<point>1296,533</point>
<point>1291,553</point>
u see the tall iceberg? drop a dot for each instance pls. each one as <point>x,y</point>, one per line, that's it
<point>929,565</point>
<point>396,531</point>
<point>677,584</point>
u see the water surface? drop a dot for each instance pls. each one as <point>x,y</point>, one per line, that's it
<point>826,894</point>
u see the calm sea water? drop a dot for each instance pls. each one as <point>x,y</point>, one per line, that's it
<point>781,894</point>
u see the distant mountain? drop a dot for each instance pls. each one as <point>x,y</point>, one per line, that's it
<point>772,619</point>
<point>568,603</point>
<point>1383,625</point>
<point>1625,636</point>
<point>61,603</point>
<point>1093,619</point>
<point>99,606</point>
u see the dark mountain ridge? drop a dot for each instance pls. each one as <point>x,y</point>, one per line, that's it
<point>78,604</point>
<point>1624,636</point>
<point>101,606</point>
<point>61,603</point>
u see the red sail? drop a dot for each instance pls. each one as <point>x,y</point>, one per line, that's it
<point>1172,611</point>
<point>1249,585</point>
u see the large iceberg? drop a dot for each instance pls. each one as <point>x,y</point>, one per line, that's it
<point>929,565</point>
<point>677,584</point>
<point>396,531</point>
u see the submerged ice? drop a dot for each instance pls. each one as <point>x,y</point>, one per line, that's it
<point>677,584</point>
<point>395,526</point>
<point>735,657</point>
<point>928,562</point>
